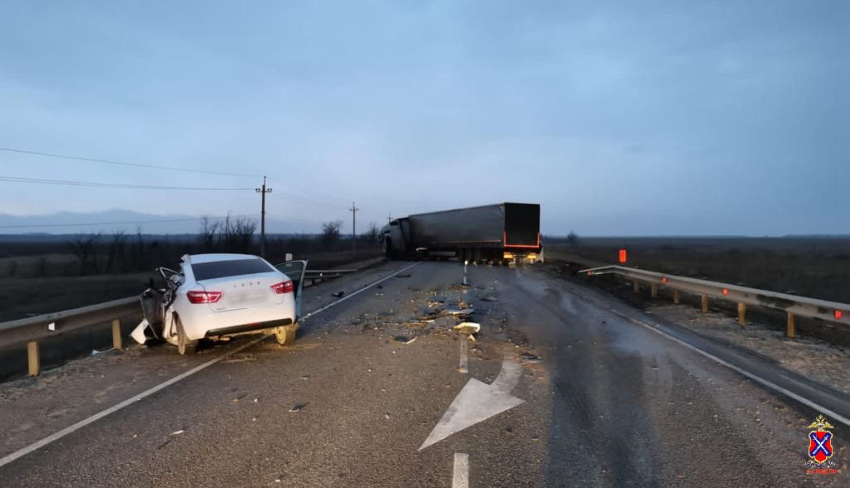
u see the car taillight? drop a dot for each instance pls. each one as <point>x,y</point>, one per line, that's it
<point>282,287</point>
<point>203,296</point>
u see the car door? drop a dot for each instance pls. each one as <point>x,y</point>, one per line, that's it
<point>295,270</point>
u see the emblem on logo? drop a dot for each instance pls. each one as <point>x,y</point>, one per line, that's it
<point>820,440</point>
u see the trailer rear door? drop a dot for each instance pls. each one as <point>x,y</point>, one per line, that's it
<point>522,225</point>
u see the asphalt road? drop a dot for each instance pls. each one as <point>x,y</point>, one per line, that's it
<point>611,403</point>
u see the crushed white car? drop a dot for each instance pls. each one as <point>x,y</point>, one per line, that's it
<point>217,295</point>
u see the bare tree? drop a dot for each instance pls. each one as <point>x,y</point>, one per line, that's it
<point>373,232</point>
<point>572,239</point>
<point>237,234</point>
<point>116,249</point>
<point>85,249</point>
<point>139,251</point>
<point>244,229</point>
<point>41,267</point>
<point>331,231</point>
<point>209,229</point>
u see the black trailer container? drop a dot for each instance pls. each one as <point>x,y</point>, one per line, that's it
<point>504,231</point>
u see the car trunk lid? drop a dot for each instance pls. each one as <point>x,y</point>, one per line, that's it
<point>241,292</point>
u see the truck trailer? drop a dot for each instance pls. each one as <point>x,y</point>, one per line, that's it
<point>503,232</point>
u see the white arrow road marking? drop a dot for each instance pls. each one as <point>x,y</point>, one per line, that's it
<point>460,476</point>
<point>478,402</point>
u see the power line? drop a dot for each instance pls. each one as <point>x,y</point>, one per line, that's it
<point>293,219</point>
<point>32,226</point>
<point>122,163</point>
<point>82,224</point>
<point>311,200</point>
<point>41,181</point>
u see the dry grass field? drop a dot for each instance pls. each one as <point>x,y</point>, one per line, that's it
<point>817,267</point>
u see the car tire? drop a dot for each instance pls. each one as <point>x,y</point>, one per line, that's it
<point>184,345</point>
<point>285,335</point>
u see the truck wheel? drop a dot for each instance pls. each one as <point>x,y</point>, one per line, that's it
<point>184,345</point>
<point>285,335</point>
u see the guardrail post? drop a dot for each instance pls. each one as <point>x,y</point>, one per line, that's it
<point>116,334</point>
<point>676,297</point>
<point>742,314</point>
<point>32,358</point>
<point>655,290</point>
<point>704,302</point>
<point>791,325</point>
<point>636,286</point>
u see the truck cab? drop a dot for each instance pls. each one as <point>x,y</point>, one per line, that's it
<point>392,238</point>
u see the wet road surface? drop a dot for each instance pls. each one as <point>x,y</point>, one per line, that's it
<point>611,403</point>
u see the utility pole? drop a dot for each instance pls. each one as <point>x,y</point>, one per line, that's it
<point>389,218</point>
<point>263,191</point>
<point>353,210</point>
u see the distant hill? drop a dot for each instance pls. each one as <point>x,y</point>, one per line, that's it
<point>129,221</point>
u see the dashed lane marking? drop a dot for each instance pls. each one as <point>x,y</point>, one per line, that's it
<point>464,356</point>
<point>460,477</point>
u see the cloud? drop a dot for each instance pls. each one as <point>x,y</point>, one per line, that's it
<point>619,117</point>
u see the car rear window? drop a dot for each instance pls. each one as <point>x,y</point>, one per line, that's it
<point>234,267</point>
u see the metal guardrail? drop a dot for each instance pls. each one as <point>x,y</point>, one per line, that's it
<point>319,275</point>
<point>793,305</point>
<point>34,329</point>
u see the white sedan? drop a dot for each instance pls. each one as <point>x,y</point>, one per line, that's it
<point>215,295</point>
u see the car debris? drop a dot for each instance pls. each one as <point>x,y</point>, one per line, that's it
<point>489,299</point>
<point>530,358</point>
<point>338,294</point>
<point>468,327</point>
<point>457,311</point>
<point>407,275</point>
<point>298,407</point>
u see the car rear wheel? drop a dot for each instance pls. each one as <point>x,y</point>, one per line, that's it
<point>285,335</point>
<point>184,345</point>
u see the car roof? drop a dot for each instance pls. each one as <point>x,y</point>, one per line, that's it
<point>214,257</point>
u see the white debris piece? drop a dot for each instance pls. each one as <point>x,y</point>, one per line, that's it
<point>138,333</point>
<point>468,327</point>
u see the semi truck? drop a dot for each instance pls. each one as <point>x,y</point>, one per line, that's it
<point>498,233</point>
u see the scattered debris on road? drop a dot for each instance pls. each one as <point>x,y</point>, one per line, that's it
<point>178,432</point>
<point>408,275</point>
<point>338,294</point>
<point>489,299</point>
<point>298,407</point>
<point>457,311</point>
<point>468,327</point>
<point>530,358</point>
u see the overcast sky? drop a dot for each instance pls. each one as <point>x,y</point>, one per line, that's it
<point>634,117</point>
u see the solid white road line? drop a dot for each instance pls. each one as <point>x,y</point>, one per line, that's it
<point>79,425</point>
<point>769,384</point>
<point>464,357</point>
<point>773,386</point>
<point>358,291</point>
<point>460,477</point>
